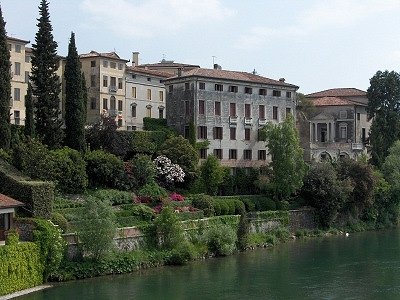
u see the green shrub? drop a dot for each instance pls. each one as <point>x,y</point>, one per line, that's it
<point>143,170</point>
<point>243,232</point>
<point>152,192</point>
<point>182,253</point>
<point>282,233</point>
<point>141,211</point>
<point>203,202</point>
<point>191,215</point>
<point>60,220</point>
<point>115,197</point>
<point>224,208</point>
<point>103,169</point>
<point>12,237</point>
<point>221,240</point>
<point>5,156</point>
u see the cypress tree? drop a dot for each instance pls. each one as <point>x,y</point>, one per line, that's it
<point>5,87</point>
<point>46,82</point>
<point>74,102</point>
<point>29,128</point>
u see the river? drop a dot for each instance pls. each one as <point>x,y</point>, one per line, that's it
<point>362,266</point>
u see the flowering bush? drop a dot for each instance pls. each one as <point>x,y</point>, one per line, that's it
<point>176,197</point>
<point>168,171</point>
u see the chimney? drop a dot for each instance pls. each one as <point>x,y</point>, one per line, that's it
<point>179,72</point>
<point>135,59</point>
<point>217,67</point>
<point>282,79</point>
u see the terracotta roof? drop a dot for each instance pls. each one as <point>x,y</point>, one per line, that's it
<point>7,202</point>
<point>168,63</point>
<point>339,92</point>
<point>105,54</point>
<point>232,75</point>
<point>332,101</point>
<point>149,72</point>
<point>17,40</point>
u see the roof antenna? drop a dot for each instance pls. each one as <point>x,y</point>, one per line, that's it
<point>214,57</point>
<point>163,58</point>
<point>254,72</point>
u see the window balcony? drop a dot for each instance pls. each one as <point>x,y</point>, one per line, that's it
<point>112,112</point>
<point>233,119</point>
<point>112,89</point>
<point>262,122</point>
<point>248,121</point>
<point>357,146</point>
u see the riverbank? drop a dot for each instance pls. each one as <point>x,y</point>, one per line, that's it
<point>25,292</point>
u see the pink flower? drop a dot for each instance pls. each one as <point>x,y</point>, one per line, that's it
<point>176,197</point>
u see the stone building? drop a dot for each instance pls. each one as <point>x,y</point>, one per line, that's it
<point>145,96</point>
<point>338,126</point>
<point>168,66</point>
<point>228,108</point>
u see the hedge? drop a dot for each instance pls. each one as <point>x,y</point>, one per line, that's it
<point>253,202</point>
<point>38,196</point>
<point>20,267</point>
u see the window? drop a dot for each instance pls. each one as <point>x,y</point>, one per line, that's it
<point>133,76</point>
<point>247,155</point>
<point>343,114</point>
<point>247,134</point>
<point>113,82</point>
<point>171,88</point>
<point>113,103</point>
<point>148,111</point>
<point>17,94</point>
<point>187,86</point>
<point>203,153</point>
<point>275,112</point>
<point>148,79</point>
<point>120,83</point>
<point>161,95</point>
<point>248,90</point>
<point>263,92</point>
<point>134,92</point>
<point>261,112</point>
<point>262,154</point>
<point>133,111</point>
<point>120,66</point>
<point>363,135</point>
<point>92,80</point>
<point>148,94</point>
<point>343,131</point>
<point>93,103</point>
<point>202,86</point>
<point>186,132</point>
<point>261,136</point>
<point>232,133</point>
<point>247,111</point>
<point>161,113</point>
<point>113,65</point>
<point>17,68</point>
<point>187,108</point>
<point>27,59</point>
<point>202,132</point>
<point>288,94</point>
<point>105,81</point>
<point>232,109</point>
<point>217,110</point>
<point>105,63</point>
<point>105,103</point>
<point>93,63</point>
<point>233,88</point>
<point>18,50</point>
<point>9,47</point>
<point>358,116</point>
<point>219,87</point>
<point>218,153</point>
<point>16,117</point>
<point>232,154</point>
<point>276,93</point>
<point>26,76</point>
<point>120,104</point>
<point>119,122</point>
<point>201,107</point>
<point>288,111</point>
<point>217,133</point>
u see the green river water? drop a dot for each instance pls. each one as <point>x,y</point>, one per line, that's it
<point>362,266</point>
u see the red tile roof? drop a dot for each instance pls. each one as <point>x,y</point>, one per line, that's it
<point>331,101</point>
<point>168,64</point>
<point>105,54</point>
<point>149,72</point>
<point>7,202</point>
<point>232,75</point>
<point>339,92</point>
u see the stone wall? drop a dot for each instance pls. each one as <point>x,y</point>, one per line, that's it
<point>302,219</point>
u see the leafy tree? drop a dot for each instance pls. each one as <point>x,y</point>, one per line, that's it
<point>168,231</point>
<point>103,135</point>
<point>212,174</point>
<point>29,129</point>
<point>143,170</point>
<point>288,167</point>
<point>46,83</point>
<point>5,87</point>
<point>74,100</point>
<point>305,106</point>
<point>384,107</point>
<point>97,227</point>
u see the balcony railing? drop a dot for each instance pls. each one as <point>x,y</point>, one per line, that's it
<point>112,112</point>
<point>248,121</point>
<point>233,119</point>
<point>112,89</point>
<point>357,146</point>
<point>262,122</point>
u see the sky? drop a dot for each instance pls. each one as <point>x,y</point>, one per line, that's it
<point>314,44</point>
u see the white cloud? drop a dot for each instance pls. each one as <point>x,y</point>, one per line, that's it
<point>320,16</point>
<point>147,18</point>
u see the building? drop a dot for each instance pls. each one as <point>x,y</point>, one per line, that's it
<point>228,108</point>
<point>339,125</point>
<point>145,96</point>
<point>104,74</point>
<point>20,70</point>
<point>7,212</point>
<point>168,66</point>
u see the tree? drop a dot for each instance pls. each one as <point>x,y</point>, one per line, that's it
<point>212,174</point>
<point>46,83</point>
<point>384,107</point>
<point>74,100</point>
<point>5,87</point>
<point>29,128</point>
<point>288,167</point>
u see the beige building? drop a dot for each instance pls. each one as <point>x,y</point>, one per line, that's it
<point>338,127</point>
<point>104,74</point>
<point>145,96</point>
<point>168,66</point>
